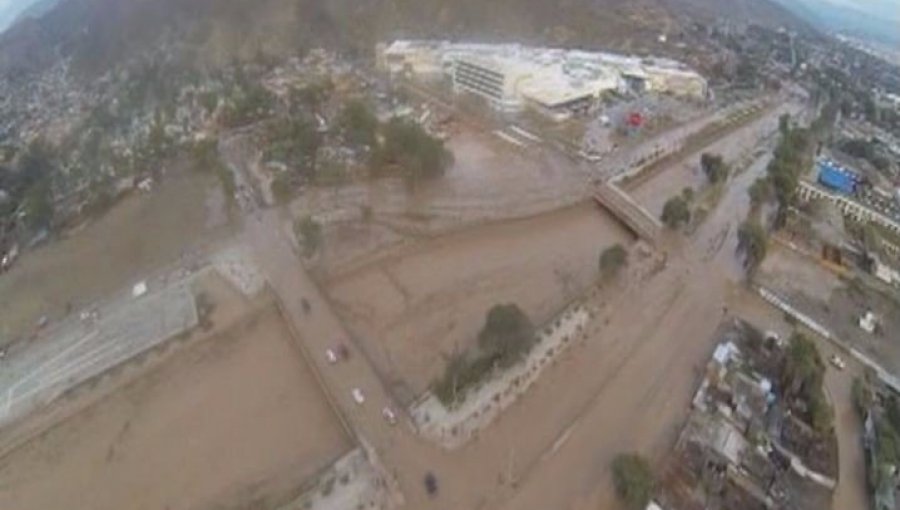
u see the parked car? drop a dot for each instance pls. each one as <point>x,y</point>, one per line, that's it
<point>358,396</point>
<point>331,356</point>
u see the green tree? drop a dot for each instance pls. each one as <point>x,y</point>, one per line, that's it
<point>294,142</point>
<point>633,480</point>
<point>309,235</point>
<point>38,205</point>
<point>892,412</point>
<point>862,396</point>
<point>803,368</point>
<point>784,124</point>
<point>612,260</point>
<point>820,412</point>
<point>507,335</point>
<point>675,212</point>
<point>281,188</point>
<point>205,155</point>
<point>714,167</point>
<point>208,101</point>
<point>358,124</point>
<point>753,243</point>
<point>760,192</point>
<point>310,97</point>
<point>412,152</point>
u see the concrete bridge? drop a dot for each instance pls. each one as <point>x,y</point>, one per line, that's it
<point>633,215</point>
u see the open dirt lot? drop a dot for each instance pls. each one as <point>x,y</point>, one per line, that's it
<point>230,420</point>
<point>421,302</point>
<point>836,303</point>
<point>142,233</point>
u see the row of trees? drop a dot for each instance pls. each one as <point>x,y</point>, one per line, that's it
<point>801,379</point>
<point>677,210</point>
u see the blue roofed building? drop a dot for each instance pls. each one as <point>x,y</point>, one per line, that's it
<point>837,178</point>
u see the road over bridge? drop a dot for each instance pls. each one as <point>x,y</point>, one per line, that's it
<point>629,212</point>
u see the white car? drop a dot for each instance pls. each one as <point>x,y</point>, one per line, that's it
<point>837,362</point>
<point>358,396</point>
<point>331,356</point>
<point>389,415</point>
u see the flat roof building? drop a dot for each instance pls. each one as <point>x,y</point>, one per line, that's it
<point>555,81</point>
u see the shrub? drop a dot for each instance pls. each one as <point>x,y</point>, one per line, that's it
<point>633,480</point>
<point>714,167</point>
<point>612,260</point>
<point>675,212</point>
<point>309,235</point>
<point>753,243</point>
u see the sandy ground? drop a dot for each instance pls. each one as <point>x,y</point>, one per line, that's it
<point>140,234</point>
<point>489,181</point>
<point>419,304</point>
<point>232,420</point>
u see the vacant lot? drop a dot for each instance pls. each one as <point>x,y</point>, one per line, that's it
<point>234,420</point>
<point>420,303</point>
<point>837,303</point>
<point>142,233</point>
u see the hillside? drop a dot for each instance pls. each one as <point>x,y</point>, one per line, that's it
<point>99,33</point>
<point>877,19</point>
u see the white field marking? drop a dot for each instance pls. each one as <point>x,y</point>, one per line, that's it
<point>73,367</point>
<point>61,375</point>
<point>54,359</point>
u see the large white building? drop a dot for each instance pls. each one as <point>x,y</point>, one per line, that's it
<point>555,81</point>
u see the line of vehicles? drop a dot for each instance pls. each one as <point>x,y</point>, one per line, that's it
<point>341,353</point>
